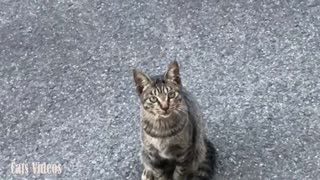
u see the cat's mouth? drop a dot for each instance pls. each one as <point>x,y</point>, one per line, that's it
<point>165,113</point>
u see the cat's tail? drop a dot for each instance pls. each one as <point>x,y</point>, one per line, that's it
<point>207,168</point>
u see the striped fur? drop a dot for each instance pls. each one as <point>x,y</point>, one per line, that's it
<point>174,146</point>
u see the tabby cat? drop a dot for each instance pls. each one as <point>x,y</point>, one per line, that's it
<point>174,145</point>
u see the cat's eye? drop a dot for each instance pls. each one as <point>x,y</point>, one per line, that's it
<point>153,99</point>
<point>172,95</point>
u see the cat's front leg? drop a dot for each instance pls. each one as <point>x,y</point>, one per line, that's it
<point>152,175</point>
<point>147,175</point>
<point>180,173</point>
<point>153,166</point>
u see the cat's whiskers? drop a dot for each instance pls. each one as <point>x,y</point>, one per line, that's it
<point>182,110</point>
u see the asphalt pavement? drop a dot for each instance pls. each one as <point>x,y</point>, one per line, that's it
<point>67,95</point>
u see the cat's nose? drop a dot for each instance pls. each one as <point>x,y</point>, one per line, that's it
<point>165,106</point>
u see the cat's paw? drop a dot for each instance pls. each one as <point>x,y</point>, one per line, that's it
<point>164,178</point>
<point>147,175</point>
<point>179,174</point>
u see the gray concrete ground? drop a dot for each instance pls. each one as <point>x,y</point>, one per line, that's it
<point>67,94</point>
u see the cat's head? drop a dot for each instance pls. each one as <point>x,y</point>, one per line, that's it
<point>160,95</point>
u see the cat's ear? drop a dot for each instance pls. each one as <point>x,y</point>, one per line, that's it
<point>142,80</point>
<point>173,73</point>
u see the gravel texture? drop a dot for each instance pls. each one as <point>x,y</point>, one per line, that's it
<point>67,93</point>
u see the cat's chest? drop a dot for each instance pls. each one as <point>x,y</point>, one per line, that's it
<point>160,144</point>
<point>168,148</point>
